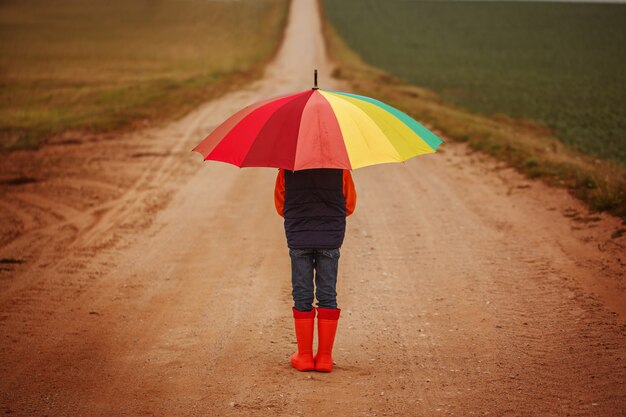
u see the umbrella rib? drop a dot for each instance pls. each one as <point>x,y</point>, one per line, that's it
<point>428,137</point>
<point>360,129</point>
<point>295,153</point>
<point>281,128</point>
<point>413,145</point>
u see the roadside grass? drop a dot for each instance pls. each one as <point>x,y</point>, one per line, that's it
<point>561,64</point>
<point>527,146</point>
<point>100,65</point>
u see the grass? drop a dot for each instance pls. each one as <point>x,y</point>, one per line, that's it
<point>529,147</point>
<point>561,65</point>
<point>101,65</point>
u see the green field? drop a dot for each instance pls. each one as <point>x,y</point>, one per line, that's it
<point>559,64</point>
<point>100,64</point>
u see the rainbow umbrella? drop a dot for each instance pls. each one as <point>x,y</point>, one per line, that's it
<point>317,129</point>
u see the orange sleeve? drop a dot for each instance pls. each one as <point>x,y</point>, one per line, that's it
<point>279,193</point>
<point>349,192</point>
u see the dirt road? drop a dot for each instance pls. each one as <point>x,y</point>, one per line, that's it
<point>138,281</point>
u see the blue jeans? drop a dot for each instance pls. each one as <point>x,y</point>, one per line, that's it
<point>325,263</point>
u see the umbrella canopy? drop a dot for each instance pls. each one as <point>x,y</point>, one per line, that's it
<point>317,129</point>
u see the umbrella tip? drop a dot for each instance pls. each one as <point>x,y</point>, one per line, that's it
<point>315,87</point>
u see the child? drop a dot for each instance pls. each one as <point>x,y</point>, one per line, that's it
<point>314,203</point>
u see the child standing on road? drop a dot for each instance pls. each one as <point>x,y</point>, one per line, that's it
<point>314,204</point>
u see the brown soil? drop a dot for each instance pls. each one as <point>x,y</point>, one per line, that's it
<point>136,280</point>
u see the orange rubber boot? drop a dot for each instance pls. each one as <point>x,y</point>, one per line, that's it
<point>304,321</point>
<point>327,319</point>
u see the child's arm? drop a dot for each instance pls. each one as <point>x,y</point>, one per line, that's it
<point>349,192</point>
<point>279,193</point>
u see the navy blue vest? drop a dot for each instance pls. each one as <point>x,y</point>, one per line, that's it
<point>315,208</point>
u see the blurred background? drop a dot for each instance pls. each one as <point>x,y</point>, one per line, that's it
<point>102,64</point>
<point>560,64</point>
